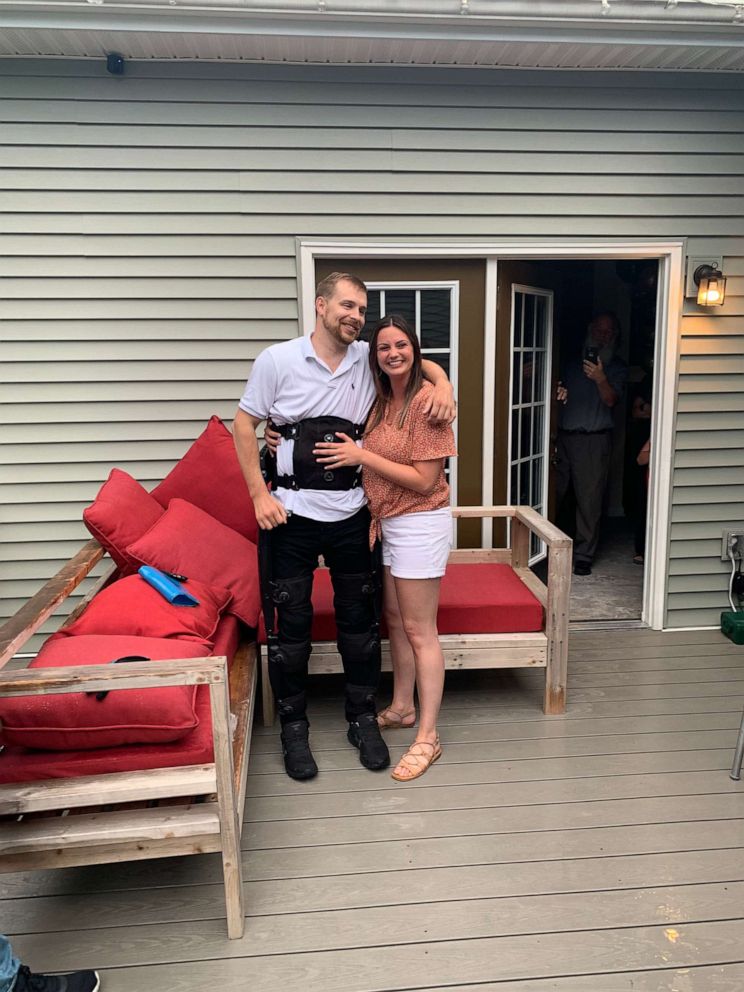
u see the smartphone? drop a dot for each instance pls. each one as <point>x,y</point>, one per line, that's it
<point>591,355</point>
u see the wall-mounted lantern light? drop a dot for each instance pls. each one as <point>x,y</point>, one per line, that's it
<point>711,284</point>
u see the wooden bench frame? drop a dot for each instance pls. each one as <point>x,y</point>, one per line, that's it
<point>546,649</point>
<point>128,834</point>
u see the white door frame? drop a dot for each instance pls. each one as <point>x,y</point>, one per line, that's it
<point>671,256</point>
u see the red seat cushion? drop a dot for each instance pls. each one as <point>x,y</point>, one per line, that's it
<point>210,477</point>
<point>69,721</point>
<point>132,606</point>
<point>486,599</point>
<point>121,512</point>
<point>188,541</point>
<point>18,764</point>
<point>473,599</point>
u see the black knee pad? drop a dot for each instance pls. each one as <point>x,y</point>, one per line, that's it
<point>361,655</point>
<point>288,667</point>
<point>289,657</point>
<point>292,593</point>
<point>292,598</point>
<point>354,600</point>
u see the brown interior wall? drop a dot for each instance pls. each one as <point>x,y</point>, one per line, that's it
<point>471,274</point>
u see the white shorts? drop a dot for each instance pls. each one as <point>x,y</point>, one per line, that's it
<point>417,545</point>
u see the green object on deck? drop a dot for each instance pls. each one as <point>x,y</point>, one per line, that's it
<point>732,625</point>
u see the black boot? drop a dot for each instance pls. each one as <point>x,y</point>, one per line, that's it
<point>298,758</point>
<point>364,733</point>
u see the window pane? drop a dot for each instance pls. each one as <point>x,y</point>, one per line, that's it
<point>529,321</point>
<point>373,313</point>
<point>526,434</point>
<point>515,434</point>
<point>536,494</point>
<point>518,320</point>
<point>539,376</point>
<point>435,318</point>
<point>541,317</point>
<point>403,302</point>
<point>514,493</point>
<point>517,377</point>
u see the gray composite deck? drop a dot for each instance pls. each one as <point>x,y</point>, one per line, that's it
<point>596,852</point>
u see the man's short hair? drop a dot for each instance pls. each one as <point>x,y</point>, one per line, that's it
<point>326,287</point>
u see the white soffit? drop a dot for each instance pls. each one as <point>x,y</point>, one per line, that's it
<point>652,35</point>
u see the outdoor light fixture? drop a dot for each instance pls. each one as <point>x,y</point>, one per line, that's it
<point>711,284</point>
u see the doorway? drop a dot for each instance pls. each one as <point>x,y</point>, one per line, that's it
<point>485,354</point>
<point>573,291</point>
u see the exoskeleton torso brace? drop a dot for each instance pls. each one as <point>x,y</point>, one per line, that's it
<point>308,473</point>
<point>288,557</point>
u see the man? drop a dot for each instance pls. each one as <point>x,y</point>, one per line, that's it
<point>589,390</point>
<point>311,388</point>
<point>15,977</point>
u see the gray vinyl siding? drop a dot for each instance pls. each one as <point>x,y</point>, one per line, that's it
<point>148,250</point>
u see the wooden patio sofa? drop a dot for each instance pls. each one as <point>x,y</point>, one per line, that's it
<point>543,648</point>
<point>157,812</point>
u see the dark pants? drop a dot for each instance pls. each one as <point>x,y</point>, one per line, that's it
<point>584,461</point>
<point>344,545</point>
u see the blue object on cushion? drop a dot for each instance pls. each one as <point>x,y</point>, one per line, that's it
<point>173,591</point>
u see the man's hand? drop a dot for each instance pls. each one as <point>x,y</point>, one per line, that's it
<point>595,371</point>
<point>269,511</point>
<point>440,407</point>
<point>561,393</point>
<point>272,439</point>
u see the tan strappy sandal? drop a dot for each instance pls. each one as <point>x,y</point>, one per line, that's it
<point>416,762</point>
<point>390,719</point>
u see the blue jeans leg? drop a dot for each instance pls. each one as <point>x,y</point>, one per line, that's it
<point>8,965</point>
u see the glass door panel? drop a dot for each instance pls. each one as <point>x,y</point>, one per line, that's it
<point>529,398</point>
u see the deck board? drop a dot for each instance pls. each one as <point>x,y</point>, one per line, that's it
<point>602,851</point>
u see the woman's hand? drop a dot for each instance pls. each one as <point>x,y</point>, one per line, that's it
<point>339,454</point>
<point>272,439</point>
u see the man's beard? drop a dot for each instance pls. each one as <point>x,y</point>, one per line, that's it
<point>606,352</point>
<point>337,331</point>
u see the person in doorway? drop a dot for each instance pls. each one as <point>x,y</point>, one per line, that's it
<point>402,462</point>
<point>588,391</point>
<point>311,388</point>
<point>640,432</point>
<point>16,977</point>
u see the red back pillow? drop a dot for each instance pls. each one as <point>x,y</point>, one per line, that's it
<point>188,541</point>
<point>121,512</point>
<point>209,476</point>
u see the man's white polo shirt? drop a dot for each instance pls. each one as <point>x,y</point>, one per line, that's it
<point>289,383</point>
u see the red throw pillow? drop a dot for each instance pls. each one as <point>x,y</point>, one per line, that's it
<point>121,512</point>
<point>188,541</point>
<point>72,721</point>
<point>132,606</point>
<point>209,476</point>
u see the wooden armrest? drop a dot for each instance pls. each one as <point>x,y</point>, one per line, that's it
<point>15,632</point>
<point>543,528</point>
<point>466,512</point>
<point>98,678</point>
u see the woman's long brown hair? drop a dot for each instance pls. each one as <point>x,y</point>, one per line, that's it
<point>382,381</point>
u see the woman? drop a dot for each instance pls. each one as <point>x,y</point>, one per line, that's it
<point>403,461</point>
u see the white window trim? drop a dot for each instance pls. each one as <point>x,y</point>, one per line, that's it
<point>671,256</point>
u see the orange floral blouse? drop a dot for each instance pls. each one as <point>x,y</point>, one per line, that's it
<point>416,441</point>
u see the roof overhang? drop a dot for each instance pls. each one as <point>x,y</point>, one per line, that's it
<point>657,35</point>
